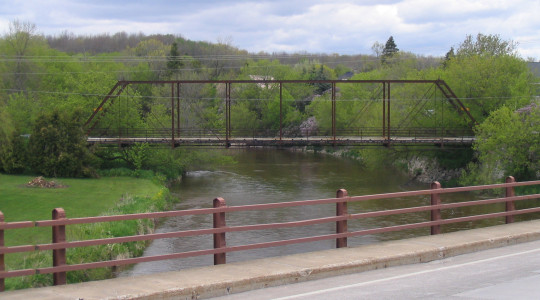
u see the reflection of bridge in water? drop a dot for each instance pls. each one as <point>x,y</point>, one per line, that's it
<point>229,136</point>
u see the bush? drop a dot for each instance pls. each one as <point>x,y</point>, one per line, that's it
<point>12,146</point>
<point>57,146</point>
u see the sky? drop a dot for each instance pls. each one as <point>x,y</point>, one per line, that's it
<point>426,27</point>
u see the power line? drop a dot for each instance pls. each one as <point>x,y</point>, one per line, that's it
<point>131,58</point>
<point>254,99</point>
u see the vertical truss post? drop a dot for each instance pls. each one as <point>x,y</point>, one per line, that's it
<point>178,109</point>
<point>384,111</point>
<point>442,118</point>
<point>333,113</point>
<point>388,111</point>
<point>280,111</point>
<point>172,115</point>
<point>227,113</point>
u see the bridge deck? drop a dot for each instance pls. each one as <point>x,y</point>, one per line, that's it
<point>289,141</point>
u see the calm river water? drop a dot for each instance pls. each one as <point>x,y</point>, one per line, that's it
<point>266,176</point>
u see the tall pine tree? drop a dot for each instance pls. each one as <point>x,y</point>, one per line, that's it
<point>390,48</point>
<point>173,60</point>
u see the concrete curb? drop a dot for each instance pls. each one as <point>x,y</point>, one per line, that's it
<point>221,280</point>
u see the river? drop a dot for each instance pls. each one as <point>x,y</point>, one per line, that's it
<point>269,175</point>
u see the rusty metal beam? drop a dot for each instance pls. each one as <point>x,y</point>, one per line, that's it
<point>384,111</point>
<point>451,96</point>
<point>121,85</point>
<point>334,113</point>
<point>172,115</point>
<point>178,109</point>
<point>100,108</point>
<point>280,111</point>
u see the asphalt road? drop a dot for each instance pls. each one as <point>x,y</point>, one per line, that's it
<point>511,272</point>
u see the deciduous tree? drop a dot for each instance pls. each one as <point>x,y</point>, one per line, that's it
<point>507,143</point>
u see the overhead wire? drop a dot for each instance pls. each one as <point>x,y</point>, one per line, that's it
<point>242,99</point>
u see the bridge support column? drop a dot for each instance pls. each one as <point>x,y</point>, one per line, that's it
<point>341,226</point>
<point>219,238</point>
<point>510,205</point>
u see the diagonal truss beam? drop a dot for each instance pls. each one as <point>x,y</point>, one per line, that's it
<point>109,99</point>
<point>120,86</point>
<point>451,96</point>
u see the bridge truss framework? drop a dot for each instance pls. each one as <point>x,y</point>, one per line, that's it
<point>368,136</point>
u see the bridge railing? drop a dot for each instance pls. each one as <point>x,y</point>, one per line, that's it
<point>340,217</point>
<point>358,132</point>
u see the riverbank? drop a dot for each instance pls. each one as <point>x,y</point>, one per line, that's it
<point>418,168</point>
<point>79,198</point>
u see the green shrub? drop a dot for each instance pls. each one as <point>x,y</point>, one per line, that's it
<point>57,146</point>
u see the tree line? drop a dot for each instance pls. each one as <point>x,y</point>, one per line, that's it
<point>49,85</point>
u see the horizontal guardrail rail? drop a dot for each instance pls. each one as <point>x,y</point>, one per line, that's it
<point>341,217</point>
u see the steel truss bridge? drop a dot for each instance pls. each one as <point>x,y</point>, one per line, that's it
<point>177,135</point>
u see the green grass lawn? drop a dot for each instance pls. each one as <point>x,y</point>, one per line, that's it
<point>81,198</point>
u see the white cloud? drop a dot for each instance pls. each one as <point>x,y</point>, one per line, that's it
<point>420,26</point>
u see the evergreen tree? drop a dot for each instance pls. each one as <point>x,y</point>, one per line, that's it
<point>320,73</point>
<point>390,48</point>
<point>173,60</point>
<point>449,55</point>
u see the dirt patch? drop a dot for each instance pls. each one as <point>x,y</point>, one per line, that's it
<point>40,182</point>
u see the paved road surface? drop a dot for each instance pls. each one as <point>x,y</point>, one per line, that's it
<point>511,272</point>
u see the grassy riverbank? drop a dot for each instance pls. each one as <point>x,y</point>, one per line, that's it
<point>81,198</point>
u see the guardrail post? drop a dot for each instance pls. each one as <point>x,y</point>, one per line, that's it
<point>219,238</point>
<point>341,226</point>
<point>510,205</point>
<point>435,213</point>
<point>2,265</point>
<point>59,255</point>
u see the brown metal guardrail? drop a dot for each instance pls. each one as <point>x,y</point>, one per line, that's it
<point>219,230</point>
